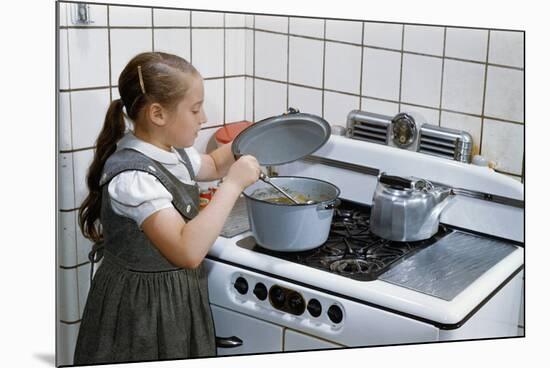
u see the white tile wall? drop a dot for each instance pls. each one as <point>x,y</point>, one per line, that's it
<point>424,39</point>
<point>337,107</point>
<point>129,16</point>
<point>235,20</point>
<point>173,41</point>
<point>248,100</point>
<point>64,130</point>
<point>466,43</point>
<point>306,100</point>
<point>463,86</point>
<point>98,15</point>
<point>88,113</point>
<point>234,99</point>
<point>88,58</point>
<point>66,186</point>
<point>503,143</point>
<point>62,13</point>
<point>206,19</point>
<point>235,52</point>
<point>213,102</point>
<point>306,62</point>
<point>343,30</point>
<point>249,52</point>
<point>421,80</point>
<point>381,73</point>
<point>208,51</point>
<point>249,20</point>
<point>63,59</point>
<point>506,48</point>
<point>67,295</point>
<point>125,44</point>
<point>470,124</point>
<point>269,99</point>
<point>307,27</point>
<point>67,334</point>
<point>67,239</point>
<point>383,35</point>
<point>270,55</point>
<point>379,107</point>
<point>271,23</point>
<point>342,67</point>
<point>81,163</point>
<point>504,94</point>
<point>206,141</point>
<point>171,18</point>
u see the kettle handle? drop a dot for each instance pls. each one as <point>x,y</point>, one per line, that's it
<point>395,181</point>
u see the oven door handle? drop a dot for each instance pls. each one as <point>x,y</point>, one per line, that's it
<point>228,342</point>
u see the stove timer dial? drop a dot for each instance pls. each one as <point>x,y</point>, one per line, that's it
<point>403,129</point>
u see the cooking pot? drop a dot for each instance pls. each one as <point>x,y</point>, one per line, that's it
<point>287,227</point>
<point>407,209</point>
<point>291,227</point>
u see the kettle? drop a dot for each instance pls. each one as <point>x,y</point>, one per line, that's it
<point>407,209</point>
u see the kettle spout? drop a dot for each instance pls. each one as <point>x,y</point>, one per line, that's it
<point>442,198</point>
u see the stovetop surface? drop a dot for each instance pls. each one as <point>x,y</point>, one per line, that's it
<point>351,249</point>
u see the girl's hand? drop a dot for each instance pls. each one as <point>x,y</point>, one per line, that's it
<point>244,172</point>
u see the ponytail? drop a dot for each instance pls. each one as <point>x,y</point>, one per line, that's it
<point>112,131</point>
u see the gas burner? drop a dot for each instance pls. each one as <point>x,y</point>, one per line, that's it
<point>354,266</point>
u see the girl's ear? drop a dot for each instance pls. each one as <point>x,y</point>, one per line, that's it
<point>157,114</point>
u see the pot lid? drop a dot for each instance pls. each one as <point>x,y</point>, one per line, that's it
<point>282,139</point>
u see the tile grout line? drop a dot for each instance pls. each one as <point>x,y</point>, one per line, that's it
<point>484,92</point>
<point>442,75</point>
<point>324,66</point>
<point>401,68</point>
<point>361,66</point>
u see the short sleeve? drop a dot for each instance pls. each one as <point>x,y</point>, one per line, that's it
<point>195,158</point>
<point>137,195</point>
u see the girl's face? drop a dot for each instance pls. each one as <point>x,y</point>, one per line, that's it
<point>184,123</point>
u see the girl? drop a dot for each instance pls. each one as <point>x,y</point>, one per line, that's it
<point>149,298</point>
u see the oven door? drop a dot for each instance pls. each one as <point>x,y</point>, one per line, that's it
<point>256,335</point>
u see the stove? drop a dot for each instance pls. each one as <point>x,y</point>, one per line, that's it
<point>351,249</point>
<point>357,289</point>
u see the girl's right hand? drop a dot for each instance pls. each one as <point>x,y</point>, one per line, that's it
<point>244,172</point>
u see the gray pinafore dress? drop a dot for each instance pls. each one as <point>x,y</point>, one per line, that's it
<point>140,307</point>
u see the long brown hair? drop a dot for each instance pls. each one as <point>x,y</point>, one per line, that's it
<point>149,77</point>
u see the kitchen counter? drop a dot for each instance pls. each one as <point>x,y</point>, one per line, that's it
<point>381,293</point>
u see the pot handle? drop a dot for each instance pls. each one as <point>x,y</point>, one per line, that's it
<point>329,206</point>
<point>395,181</point>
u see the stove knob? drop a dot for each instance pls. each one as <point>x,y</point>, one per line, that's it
<point>335,314</point>
<point>314,307</point>
<point>277,296</point>
<point>260,291</point>
<point>296,303</point>
<point>241,285</point>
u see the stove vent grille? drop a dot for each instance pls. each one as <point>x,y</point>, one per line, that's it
<point>369,126</point>
<point>431,139</point>
<point>447,143</point>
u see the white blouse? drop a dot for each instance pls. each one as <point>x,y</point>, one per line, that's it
<point>138,194</point>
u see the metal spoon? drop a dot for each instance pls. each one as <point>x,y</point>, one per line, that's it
<point>267,179</point>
